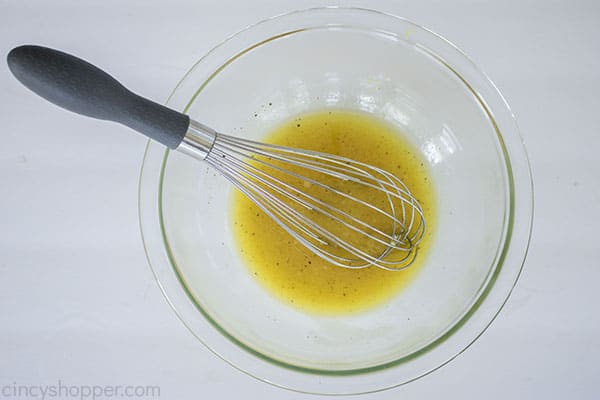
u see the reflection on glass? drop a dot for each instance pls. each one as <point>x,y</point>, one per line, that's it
<point>300,91</point>
<point>440,147</point>
<point>333,98</point>
<point>392,113</point>
<point>366,103</point>
<point>448,140</point>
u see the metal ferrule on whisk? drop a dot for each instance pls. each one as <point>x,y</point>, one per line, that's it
<point>198,140</point>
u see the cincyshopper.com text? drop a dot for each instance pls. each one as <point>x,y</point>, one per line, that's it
<point>61,390</point>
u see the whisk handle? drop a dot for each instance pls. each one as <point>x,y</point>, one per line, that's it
<point>78,86</point>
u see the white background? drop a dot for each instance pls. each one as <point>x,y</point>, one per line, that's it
<point>78,301</point>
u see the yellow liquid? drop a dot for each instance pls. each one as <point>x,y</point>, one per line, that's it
<point>288,270</point>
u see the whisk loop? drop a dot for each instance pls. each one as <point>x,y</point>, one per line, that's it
<point>352,214</point>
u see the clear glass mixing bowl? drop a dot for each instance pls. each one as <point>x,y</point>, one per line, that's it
<point>398,71</point>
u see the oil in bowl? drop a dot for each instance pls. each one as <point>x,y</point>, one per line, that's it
<point>288,270</point>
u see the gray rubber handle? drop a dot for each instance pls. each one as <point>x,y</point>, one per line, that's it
<point>78,86</point>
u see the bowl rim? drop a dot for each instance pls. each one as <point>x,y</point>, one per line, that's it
<point>489,284</point>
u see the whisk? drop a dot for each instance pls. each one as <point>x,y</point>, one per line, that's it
<point>352,214</point>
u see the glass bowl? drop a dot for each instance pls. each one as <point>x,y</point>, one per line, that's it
<point>351,59</point>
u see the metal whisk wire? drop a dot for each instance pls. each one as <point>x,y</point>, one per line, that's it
<point>250,166</point>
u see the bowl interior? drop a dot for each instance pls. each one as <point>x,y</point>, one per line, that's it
<point>353,68</point>
<point>369,62</point>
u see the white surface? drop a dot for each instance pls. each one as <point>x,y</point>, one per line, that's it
<point>78,302</point>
